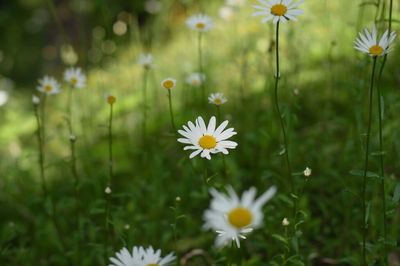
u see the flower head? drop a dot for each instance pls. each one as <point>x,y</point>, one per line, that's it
<point>233,217</point>
<point>307,172</point>
<point>207,140</point>
<point>141,257</point>
<point>110,99</point>
<point>125,258</point>
<point>368,42</point>
<point>48,85</point>
<point>200,23</point>
<point>277,10</point>
<point>146,60</point>
<point>151,257</point>
<point>168,83</point>
<point>75,78</point>
<point>217,98</point>
<point>195,79</point>
<point>35,100</point>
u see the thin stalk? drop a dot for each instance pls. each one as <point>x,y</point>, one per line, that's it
<point>145,106</point>
<point>109,182</point>
<point>364,193</point>
<point>282,123</point>
<point>74,171</point>
<point>46,195</point>
<point>171,112</point>
<point>200,59</point>
<point>41,152</point>
<point>381,161</point>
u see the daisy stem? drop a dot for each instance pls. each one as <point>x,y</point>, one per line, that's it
<point>46,196</point>
<point>109,182</point>
<point>365,222</point>
<point>282,123</point>
<point>41,152</point>
<point>171,112</point>
<point>145,106</point>
<point>72,140</point>
<point>200,55</point>
<point>381,152</point>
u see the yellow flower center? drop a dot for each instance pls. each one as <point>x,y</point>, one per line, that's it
<point>168,84</point>
<point>278,10</point>
<point>376,50</point>
<point>207,142</point>
<point>200,25</point>
<point>152,264</point>
<point>111,99</point>
<point>217,101</point>
<point>48,88</point>
<point>74,81</point>
<point>240,217</point>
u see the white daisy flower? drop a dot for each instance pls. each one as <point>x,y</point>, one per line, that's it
<point>75,77</point>
<point>368,42</point>
<point>207,140</point>
<point>200,23</point>
<point>48,85</point>
<point>168,83</point>
<point>146,60</point>
<point>195,79</point>
<point>151,257</point>
<point>277,10</point>
<point>217,98</point>
<point>233,217</point>
<point>125,258</point>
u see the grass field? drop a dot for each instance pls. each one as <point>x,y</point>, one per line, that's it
<point>95,176</point>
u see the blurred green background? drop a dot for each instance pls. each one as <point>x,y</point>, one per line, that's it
<point>323,91</point>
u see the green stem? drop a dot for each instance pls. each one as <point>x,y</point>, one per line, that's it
<point>46,195</point>
<point>74,171</point>
<point>145,106</point>
<point>171,112</point>
<point>109,182</point>
<point>365,222</point>
<point>381,161</point>
<point>284,135</point>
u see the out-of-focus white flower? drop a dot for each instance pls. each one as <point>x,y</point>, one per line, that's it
<point>233,217</point>
<point>307,172</point>
<point>146,60</point>
<point>226,13</point>
<point>200,23</point>
<point>168,83</point>
<point>35,100</point>
<point>108,190</point>
<point>48,85</point>
<point>285,222</point>
<point>3,97</point>
<point>217,98</point>
<point>75,77</point>
<point>195,79</point>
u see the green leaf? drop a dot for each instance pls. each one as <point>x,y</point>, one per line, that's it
<point>361,173</point>
<point>280,238</point>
